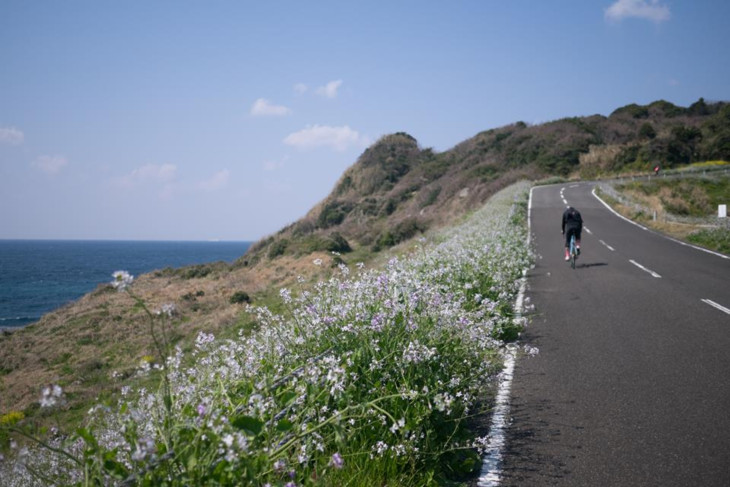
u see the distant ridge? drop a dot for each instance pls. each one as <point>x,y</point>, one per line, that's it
<point>397,189</point>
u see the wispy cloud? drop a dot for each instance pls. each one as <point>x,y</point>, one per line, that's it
<point>330,89</point>
<point>11,136</point>
<point>50,164</point>
<point>163,173</point>
<point>337,138</point>
<point>218,181</point>
<point>300,88</point>
<point>273,165</point>
<point>642,9</point>
<point>264,108</point>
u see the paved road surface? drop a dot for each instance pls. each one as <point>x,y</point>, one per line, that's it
<point>632,382</point>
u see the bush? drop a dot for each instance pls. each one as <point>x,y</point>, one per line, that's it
<point>196,271</point>
<point>647,131</point>
<point>633,110</point>
<point>399,233</point>
<point>337,243</point>
<point>431,197</point>
<point>239,297</point>
<point>333,214</point>
<point>278,248</point>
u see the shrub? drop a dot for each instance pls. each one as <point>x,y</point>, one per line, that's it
<point>278,248</point>
<point>333,214</point>
<point>646,131</point>
<point>431,197</point>
<point>400,232</point>
<point>239,297</point>
<point>337,243</point>
<point>633,110</point>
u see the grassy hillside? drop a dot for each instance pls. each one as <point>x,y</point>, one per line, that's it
<point>398,189</point>
<point>682,205</point>
<point>373,377</point>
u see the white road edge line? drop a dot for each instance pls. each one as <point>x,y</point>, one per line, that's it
<point>715,305</point>
<point>491,473</point>
<point>644,228</point>
<point>654,274</point>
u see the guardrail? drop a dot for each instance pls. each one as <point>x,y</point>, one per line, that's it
<point>709,171</point>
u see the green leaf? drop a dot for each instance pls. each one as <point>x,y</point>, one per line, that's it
<point>249,424</point>
<point>284,425</point>
<point>114,468</point>
<point>87,437</point>
<point>288,397</point>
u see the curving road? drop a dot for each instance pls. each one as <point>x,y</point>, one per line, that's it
<point>632,383</point>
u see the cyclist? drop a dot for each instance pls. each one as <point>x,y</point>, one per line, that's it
<point>573,223</point>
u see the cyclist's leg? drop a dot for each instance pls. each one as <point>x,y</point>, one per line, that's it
<point>568,232</point>
<point>577,238</point>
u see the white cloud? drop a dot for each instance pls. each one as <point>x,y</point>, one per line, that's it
<point>330,89</point>
<point>643,9</point>
<point>50,164</point>
<point>337,138</point>
<point>300,88</point>
<point>217,181</point>
<point>264,108</point>
<point>164,173</point>
<point>272,165</point>
<point>11,136</point>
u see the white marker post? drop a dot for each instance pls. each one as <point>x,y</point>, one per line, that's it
<point>722,211</point>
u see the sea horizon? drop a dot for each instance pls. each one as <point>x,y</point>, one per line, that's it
<point>38,276</point>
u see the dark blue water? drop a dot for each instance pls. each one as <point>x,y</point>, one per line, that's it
<point>38,276</point>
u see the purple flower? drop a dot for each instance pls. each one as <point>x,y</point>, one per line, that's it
<point>337,461</point>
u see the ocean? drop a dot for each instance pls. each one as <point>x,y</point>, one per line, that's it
<point>38,276</point>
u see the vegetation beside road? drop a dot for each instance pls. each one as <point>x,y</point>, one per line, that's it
<point>685,207</point>
<point>369,378</point>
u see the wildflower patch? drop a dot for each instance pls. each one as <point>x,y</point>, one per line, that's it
<point>368,378</point>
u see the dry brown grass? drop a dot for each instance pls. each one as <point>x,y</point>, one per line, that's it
<point>673,229</point>
<point>80,345</point>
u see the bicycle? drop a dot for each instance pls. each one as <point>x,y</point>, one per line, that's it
<point>573,252</point>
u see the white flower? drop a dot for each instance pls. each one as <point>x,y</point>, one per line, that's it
<point>51,395</point>
<point>122,279</point>
<point>167,309</point>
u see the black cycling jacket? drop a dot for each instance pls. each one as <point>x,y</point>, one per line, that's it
<point>572,219</point>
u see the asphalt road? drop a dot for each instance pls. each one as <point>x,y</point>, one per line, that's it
<point>632,383</point>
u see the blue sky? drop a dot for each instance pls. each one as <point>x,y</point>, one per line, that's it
<point>228,120</point>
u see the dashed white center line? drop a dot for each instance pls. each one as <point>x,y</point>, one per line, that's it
<point>715,305</point>
<point>654,274</point>
<point>607,246</point>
